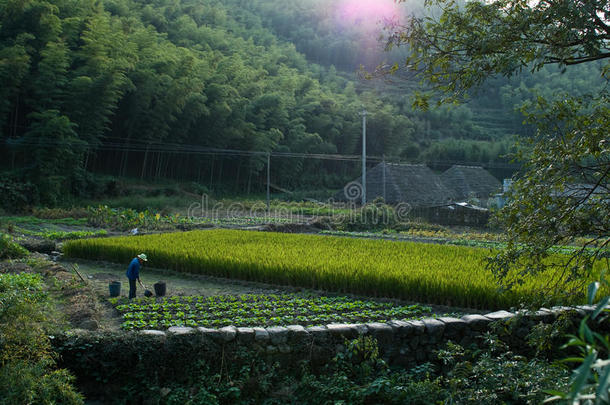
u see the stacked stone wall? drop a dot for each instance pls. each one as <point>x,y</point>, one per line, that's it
<point>111,355</point>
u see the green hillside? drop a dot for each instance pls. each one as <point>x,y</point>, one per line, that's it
<point>133,88</point>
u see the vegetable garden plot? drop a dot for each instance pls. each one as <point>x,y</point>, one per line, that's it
<point>257,310</point>
<point>441,274</point>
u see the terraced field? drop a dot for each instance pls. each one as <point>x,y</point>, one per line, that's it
<point>440,274</point>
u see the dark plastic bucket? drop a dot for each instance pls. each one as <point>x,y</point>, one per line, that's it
<point>160,288</point>
<point>115,288</point>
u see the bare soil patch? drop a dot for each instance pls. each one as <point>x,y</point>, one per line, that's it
<point>75,299</point>
<point>99,274</point>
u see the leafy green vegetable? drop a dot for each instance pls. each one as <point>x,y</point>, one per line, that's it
<point>258,310</point>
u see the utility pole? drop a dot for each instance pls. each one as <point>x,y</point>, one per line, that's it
<point>363,113</point>
<point>383,180</point>
<point>268,180</point>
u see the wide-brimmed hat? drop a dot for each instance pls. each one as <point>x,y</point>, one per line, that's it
<point>143,257</point>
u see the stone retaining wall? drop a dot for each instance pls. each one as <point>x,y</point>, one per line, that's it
<point>400,342</point>
<point>103,362</point>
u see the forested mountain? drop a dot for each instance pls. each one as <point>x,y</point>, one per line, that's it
<point>327,34</point>
<point>114,86</point>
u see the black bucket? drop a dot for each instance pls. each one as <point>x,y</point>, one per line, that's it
<point>160,288</point>
<point>115,288</point>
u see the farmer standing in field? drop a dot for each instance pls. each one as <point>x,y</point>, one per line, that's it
<point>133,273</point>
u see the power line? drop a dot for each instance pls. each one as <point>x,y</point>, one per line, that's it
<point>186,149</point>
<point>177,148</point>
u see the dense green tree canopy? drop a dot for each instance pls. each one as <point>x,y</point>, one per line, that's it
<point>112,86</point>
<point>118,75</point>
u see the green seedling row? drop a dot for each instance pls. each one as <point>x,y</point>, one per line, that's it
<point>441,274</point>
<point>257,310</point>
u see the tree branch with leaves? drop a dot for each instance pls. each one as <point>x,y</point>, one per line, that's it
<point>562,195</point>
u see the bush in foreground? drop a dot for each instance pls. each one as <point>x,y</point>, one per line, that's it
<point>9,249</point>
<point>359,376</point>
<point>27,363</point>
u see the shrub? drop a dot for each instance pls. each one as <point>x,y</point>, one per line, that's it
<point>125,219</point>
<point>359,376</point>
<point>35,382</point>
<point>143,367</point>
<point>17,196</point>
<point>197,188</point>
<point>373,216</point>
<point>53,189</point>
<point>497,376</point>
<point>420,225</point>
<point>59,213</point>
<point>27,362</point>
<point>9,249</point>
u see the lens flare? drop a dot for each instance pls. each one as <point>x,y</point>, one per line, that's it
<point>367,12</point>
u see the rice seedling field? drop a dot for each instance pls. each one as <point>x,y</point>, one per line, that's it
<point>439,274</point>
<point>250,310</point>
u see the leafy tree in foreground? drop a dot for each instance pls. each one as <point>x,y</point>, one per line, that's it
<point>563,192</point>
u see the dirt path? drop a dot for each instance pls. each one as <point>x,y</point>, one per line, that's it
<point>99,274</point>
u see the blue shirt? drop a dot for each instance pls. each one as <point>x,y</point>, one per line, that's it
<point>133,271</point>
